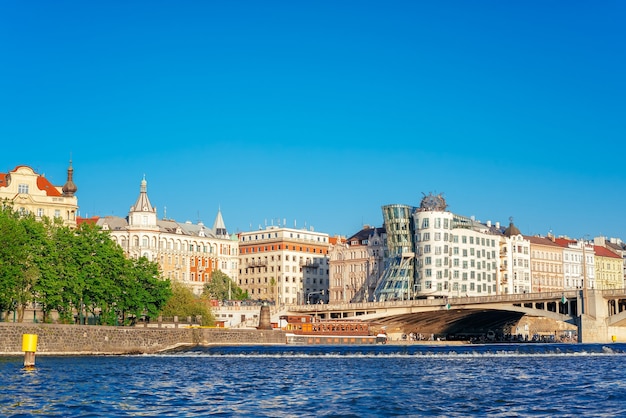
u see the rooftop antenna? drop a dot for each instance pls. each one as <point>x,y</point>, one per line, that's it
<point>164,212</point>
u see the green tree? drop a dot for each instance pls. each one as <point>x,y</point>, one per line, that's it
<point>184,303</point>
<point>73,271</point>
<point>58,273</point>
<point>31,240</point>
<point>144,293</point>
<point>222,287</point>
<point>12,240</point>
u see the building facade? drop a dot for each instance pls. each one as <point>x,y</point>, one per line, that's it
<point>356,266</point>
<point>432,252</point>
<point>617,246</point>
<point>546,264</point>
<point>30,192</point>
<point>185,252</point>
<point>284,265</point>
<point>609,269</point>
<point>578,263</point>
<point>514,271</point>
<point>398,278</point>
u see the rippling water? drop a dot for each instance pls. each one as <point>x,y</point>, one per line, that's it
<point>332,381</point>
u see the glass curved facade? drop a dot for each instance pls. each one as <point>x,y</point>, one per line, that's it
<point>398,278</point>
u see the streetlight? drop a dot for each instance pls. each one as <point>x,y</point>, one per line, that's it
<point>584,302</point>
<point>308,297</point>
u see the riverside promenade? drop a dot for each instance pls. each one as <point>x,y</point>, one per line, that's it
<point>56,339</point>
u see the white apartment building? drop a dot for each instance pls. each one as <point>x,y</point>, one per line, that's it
<point>185,252</point>
<point>578,263</point>
<point>432,252</point>
<point>514,272</point>
<point>455,261</point>
<point>284,265</point>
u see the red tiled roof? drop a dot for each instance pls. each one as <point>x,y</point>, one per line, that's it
<point>46,186</point>
<point>605,252</point>
<point>541,241</point>
<point>93,220</point>
<point>564,242</point>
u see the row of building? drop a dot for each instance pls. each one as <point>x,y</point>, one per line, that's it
<point>422,251</point>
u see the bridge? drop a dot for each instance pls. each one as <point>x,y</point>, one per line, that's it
<point>598,315</point>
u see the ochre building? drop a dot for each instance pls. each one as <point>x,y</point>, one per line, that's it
<point>30,192</point>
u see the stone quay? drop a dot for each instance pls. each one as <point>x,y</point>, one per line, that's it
<point>57,339</point>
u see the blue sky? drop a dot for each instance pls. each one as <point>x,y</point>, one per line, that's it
<point>318,113</point>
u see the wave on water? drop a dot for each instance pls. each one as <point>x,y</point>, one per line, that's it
<point>404,351</point>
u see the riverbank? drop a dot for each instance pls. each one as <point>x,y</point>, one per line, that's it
<point>56,339</point>
<point>76,340</point>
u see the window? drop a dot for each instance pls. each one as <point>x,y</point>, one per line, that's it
<point>22,188</point>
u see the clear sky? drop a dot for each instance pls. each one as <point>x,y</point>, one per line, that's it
<point>317,113</point>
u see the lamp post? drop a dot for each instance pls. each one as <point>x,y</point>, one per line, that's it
<point>584,302</point>
<point>308,296</point>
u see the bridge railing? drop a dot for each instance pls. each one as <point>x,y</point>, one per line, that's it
<point>442,301</point>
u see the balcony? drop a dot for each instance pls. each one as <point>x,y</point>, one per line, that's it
<point>257,263</point>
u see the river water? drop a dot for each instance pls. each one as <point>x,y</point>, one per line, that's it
<point>331,381</point>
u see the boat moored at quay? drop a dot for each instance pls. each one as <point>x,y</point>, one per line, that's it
<point>306,329</point>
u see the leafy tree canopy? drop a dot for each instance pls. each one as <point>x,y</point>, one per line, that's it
<point>75,272</point>
<point>222,287</point>
<point>184,303</point>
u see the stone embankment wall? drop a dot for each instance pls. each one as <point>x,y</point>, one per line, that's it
<point>85,339</point>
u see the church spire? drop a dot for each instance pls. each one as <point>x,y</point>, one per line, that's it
<point>219,228</point>
<point>69,188</point>
<point>143,203</point>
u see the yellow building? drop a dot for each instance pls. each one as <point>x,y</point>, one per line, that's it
<point>30,192</point>
<point>609,273</point>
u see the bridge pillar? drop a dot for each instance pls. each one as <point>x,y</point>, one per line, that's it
<point>592,323</point>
